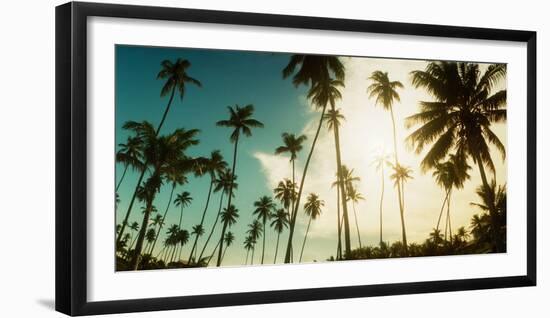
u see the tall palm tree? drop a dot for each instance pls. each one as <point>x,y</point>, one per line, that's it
<point>228,239</point>
<point>198,231</point>
<point>380,162</point>
<point>323,74</point>
<point>161,153</point>
<point>400,175</point>
<point>149,237</point>
<point>175,74</point>
<point>229,217</point>
<point>312,208</point>
<point>182,200</point>
<point>213,166</point>
<point>355,196</point>
<point>129,155</point>
<point>280,221</point>
<point>321,94</point>
<point>255,230</point>
<point>385,92</point>
<point>224,183</point>
<point>450,174</point>
<point>241,121</point>
<point>285,192</point>
<point>248,245</point>
<point>292,145</point>
<point>182,239</point>
<point>134,227</point>
<point>264,207</point>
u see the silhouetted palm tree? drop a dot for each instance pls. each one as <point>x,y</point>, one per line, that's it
<point>149,238</point>
<point>495,219</point>
<point>321,94</point>
<point>280,221</point>
<point>355,196</point>
<point>129,155</point>
<point>241,121</point>
<point>224,183</point>
<point>460,118</point>
<point>264,207</point>
<point>229,217</point>
<point>312,208</point>
<point>380,162</point>
<point>255,230</point>
<point>228,239</point>
<point>292,145</point>
<point>400,175</point>
<point>213,166</point>
<point>176,78</point>
<point>133,227</point>
<point>248,245</point>
<point>182,200</point>
<point>182,238</point>
<point>385,92</point>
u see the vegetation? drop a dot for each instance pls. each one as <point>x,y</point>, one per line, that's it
<point>450,131</point>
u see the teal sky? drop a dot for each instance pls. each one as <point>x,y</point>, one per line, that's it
<point>227,78</point>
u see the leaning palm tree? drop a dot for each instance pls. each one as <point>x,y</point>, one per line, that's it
<point>292,145</point>
<point>400,175</point>
<point>280,221</point>
<point>321,94</point>
<point>450,174</point>
<point>263,209</point>
<point>385,92</point>
<point>213,166</point>
<point>182,200</point>
<point>323,74</point>
<point>228,239</point>
<point>467,101</point>
<point>149,238</point>
<point>197,231</point>
<point>175,74</point>
<point>241,121</point>
<point>255,230</point>
<point>380,162</point>
<point>285,192</point>
<point>134,227</point>
<point>224,183</point>
<point>129,155</point>
<point>182,239</point>
<point>229,217</point>
<point>312,208</point>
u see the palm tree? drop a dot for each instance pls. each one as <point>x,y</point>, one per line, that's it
<point>133,227</point>
<point>285,192</point>
<point>385,92</point>
<point>228,239</point>
<point>162,153</point>
<point>400,175</point>
<point>248,245</point>
<point>213,166</point>
<point>176,79</point>
<point>182,239</point>
<point>380,162</point>
<point>255,230</point>
<point>280,221</point>
<point>321,94</point>
<point>495,222</point>
<point>466,104</point>
<point>182,200</point>
<point>312,208</point>
<point>241,121</point>
<point>224,183</point>
<point>323,74</point>
<point>198,231</point>
<point>129,155</point>
<point>229,217</point>
<point>264,207</point>
<point>292,145</point>
<point>149,237</point>
<point>355,196</point>
<point>450,174</point>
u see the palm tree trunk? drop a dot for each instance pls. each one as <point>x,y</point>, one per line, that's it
<point>224,250</point>
<point>213,252</point>
<point>246,259</point>
<point>449,219</point>
<point>304,173</point>
<point>276,248</point>
<point>213,227</point>
<point>132,244</point>
<point>181,216</point>
<point>357,225</point>
<point>252,258</point>
<point>340,180</point>
<point>161,251</point>
<point>293,200</point>
<point>229,199</point>
<point>399,190</point>
<point>305,238</point>
<point>131,205</point>
<point>263,243</point>
<point>339,247</point>
<point>202,219</point>
<point>122,177</point>
<point>381,204</point>
<point>137,251</point>
<point>163,217</point>
<point>442,208</point>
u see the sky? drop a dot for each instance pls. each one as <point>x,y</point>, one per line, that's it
<point>239,78</point>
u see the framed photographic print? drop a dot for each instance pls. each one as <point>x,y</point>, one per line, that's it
<point>208,158</point>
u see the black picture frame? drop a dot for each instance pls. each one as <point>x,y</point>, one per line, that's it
<point>71,157</point>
